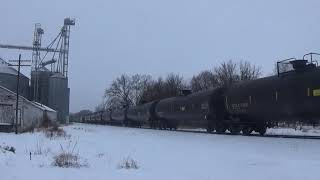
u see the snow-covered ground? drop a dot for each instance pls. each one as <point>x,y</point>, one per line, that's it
<point>163,155</point>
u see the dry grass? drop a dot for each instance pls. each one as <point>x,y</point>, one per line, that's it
<point>55,132</point>
<point>30,128</point>
<point>40,149</point>
<point>45,124</point>
<point>128,163</point>
<point>7,148</point>
<point>52,130</point>
<point>67,158</point>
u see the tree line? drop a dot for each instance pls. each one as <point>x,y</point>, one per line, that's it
<point>136,89</point>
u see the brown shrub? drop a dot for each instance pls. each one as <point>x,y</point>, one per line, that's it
<point>67,160</point>
<point>8,148</point>
<point>55,132</point>
<point>128,163</point>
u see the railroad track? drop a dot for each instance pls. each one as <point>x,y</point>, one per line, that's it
<point>251,135</point>
<point>229,134</point>
<point>266,135</point>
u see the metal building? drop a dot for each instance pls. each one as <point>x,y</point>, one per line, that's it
<point>30,114</point>
<point>8,79</point>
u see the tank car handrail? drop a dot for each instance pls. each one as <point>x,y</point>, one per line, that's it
<point>311,59</point>
<point>287,60</point>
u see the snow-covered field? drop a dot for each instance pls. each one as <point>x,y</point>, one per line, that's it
<point>163,155</point>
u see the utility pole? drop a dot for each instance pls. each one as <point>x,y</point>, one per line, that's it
<point>17,89</point>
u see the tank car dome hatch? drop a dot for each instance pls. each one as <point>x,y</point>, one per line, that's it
<point>8,79</point>
<point>299,64</point>
<point>185,92</point>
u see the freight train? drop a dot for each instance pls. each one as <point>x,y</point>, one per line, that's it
<point>291,96</point>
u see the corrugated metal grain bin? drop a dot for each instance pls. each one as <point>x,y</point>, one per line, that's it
<point>30,114</point>
<point>59,96</point>
<point>40,86</point>
<point>8,79</point>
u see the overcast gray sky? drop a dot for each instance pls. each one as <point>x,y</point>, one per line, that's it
<point>112,37</point>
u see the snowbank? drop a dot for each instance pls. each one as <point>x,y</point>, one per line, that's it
<point>159,155</point>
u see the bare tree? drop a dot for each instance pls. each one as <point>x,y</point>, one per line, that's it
<point>226,73</point>
<point>119,91</point>
<point>154,90</point>
<point>247,71</point>
<point>139,85</point>
<point>132,90</point>
<point>174,83</point>
<point>126,90</point>
<point>113,102</point>
<point>230,72</point>
<point>160,89</point>
<point>77,116</point>
<point>100,107</point>
<point>203,81</point>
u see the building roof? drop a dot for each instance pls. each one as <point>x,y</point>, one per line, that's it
<point>57,75</point>
<point>36,104</point>
<point>6,69</point>
<point>43,107</point>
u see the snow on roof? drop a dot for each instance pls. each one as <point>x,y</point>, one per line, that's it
<point>6,69</point>
<point>43,107</point>
<point>6,89</point>
<point>43,69</point>
<point>36,104</point>
<point>58,75</point>
<point>2,61</point>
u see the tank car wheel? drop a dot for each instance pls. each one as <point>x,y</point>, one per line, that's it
<point>156,125</point>
<point>162,125</point>
<point>247,130</point>
<point>209,128</point>
<point>127,123</point>
<point>152,124</point>
<point>159,125</point>
<point>234,129</point>
<point>262,130</point>
<point>220,128</point>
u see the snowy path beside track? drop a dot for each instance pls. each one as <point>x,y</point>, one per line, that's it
<point>160,155</point>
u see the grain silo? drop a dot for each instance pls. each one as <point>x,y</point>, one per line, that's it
<point>40,85</point>
<point>59,96</point>
<point>8,79</point>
